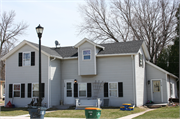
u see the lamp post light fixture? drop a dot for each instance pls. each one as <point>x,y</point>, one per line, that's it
<point>39,30</point>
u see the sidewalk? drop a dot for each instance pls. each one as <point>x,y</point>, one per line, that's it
<point>26,116</point>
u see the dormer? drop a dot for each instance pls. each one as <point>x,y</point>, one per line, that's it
<point>87,51</point>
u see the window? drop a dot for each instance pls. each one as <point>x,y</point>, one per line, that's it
<point>26,59</point>
<point>113,89</point>
<point>171,89</point>
<point>86,54</point>
<point>17,88</point>
<point>82,89</point>
<point>69,89</point>
<point>35,89</point>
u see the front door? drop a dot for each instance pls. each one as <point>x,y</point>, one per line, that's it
<point>68,92</point>
<point>156,84</point>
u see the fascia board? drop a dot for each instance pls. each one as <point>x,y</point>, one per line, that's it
<point>146,51</point>
<point>18,47</point>
<point>153,65</point>
<point>109,55</point>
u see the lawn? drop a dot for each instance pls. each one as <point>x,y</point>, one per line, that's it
<point>4,111</point>
<point>106,113</point>
<point>161,113</point>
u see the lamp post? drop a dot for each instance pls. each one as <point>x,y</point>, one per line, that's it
<point>39,31</point>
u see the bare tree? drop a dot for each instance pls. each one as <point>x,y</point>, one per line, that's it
<point>9,31</point>
<point>153,21</point>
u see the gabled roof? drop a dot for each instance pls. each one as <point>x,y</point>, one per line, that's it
<point>86,40</point>
<point>159,68</point>
<point>118,48</point>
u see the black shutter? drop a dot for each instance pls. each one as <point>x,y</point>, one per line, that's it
<point>105,89</point>
<point>20,59</point>
<point>22,90</point>
<point>10,90</point>
<point>75,90</point>
<point>29,90</point>
<point>32,58</point>
<point>42,89</point>
<point>120,89</point>
<point>88,89</point>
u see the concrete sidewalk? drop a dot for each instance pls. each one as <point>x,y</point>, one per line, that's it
<point>26,116</point>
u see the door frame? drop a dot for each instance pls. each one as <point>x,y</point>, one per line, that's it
<point>152,89</point>
<point>65,81</point>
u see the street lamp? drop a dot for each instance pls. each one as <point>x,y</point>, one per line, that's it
<point>39,31</point>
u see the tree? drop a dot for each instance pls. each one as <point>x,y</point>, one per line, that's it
<point>9,31</point>
<point>123,20</point>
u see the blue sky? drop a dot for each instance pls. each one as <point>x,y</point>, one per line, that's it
<point>58,17</point>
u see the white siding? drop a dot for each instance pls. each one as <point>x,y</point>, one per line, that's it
<point>154,73</point>
<point>55,82</point>
<point>25,74</point>
<point>140,80</point>
<point>174,87</point>
<point>87,67</point>
<point>109,69</point>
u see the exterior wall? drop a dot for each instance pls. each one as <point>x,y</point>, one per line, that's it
<point>153,73</point>
<point>87,67</point>
<point>174,87</point>
<point>55,69</point>
<point>1,89</point>
<point>140,79</point>
<point>25,74</point>
<point>109,69</point>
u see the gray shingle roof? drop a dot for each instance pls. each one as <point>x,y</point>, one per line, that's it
<point>110,48</point>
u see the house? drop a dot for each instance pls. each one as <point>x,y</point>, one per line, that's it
<point>117,72</point>
<point>2,88</point>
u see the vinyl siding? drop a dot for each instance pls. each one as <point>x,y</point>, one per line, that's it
<point>140,80</point>
<point>153,73</point>
<point>109,69</point>
<point>87,67</point>
<point>55,82</point>
<point>25,74</point>
<point>174,86</point>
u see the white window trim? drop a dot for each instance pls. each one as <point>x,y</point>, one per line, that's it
<point>69,89</point>
<point>111,89</point>
<point>86,55</point>
<point>23,59</point>
<point>15,90</point>
<point>33,90</point>
<point>79,90</point>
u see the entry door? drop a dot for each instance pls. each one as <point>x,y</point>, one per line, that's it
<point>156,91</point>
<point>68,93</point>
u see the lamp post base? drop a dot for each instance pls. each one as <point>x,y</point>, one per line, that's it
<point>37,112</point>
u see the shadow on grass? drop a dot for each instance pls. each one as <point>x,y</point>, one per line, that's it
<point>14,109</point>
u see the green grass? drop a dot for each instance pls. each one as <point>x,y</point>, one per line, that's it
<point>105,113</point>
<point>161,113</point>
<point>4,111</point>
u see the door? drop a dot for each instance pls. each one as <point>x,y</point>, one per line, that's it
<point>156,91</point>
<point>68,93</point>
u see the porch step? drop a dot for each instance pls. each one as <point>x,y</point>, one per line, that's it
<point>63,107</point>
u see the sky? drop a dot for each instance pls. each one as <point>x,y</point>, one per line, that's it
<point>58,17</point>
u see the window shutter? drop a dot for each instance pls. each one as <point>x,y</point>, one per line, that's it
<point>10,90</point>
<point>105,89</point>
<point>42,89</point>
<point>29,90</point>
<point>32,58</point>
<point>88,89</point>
<point>75,90</point>
<point>22,90</point>
<point>120,89</point>
<point>20,59</point>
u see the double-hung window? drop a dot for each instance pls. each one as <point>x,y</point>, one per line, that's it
<point>86,54</point>
<point>35,89</point>
<point>17,89</point>
<point>26,59</point>
<point>82,89</point>
<point>113,89</point>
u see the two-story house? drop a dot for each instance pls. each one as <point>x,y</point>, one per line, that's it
<point>119,72</point>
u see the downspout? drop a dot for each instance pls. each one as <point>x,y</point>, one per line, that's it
<point>134,91</point>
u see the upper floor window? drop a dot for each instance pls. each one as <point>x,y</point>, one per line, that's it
<point>140,60</point>
<point>26,59</point>
<point>86,54</point>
